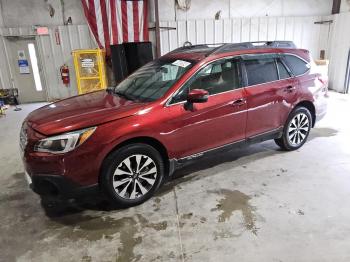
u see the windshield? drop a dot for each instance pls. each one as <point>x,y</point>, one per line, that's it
<point>153,80</point>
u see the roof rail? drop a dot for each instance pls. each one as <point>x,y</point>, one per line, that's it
<point>224,47</point>
<point>189,46</point>
<point>252,45</point>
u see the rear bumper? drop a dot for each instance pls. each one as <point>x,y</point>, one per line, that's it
<point>321,105</point>
<point>321,110</point>
<point>59,186</point>
<point>320,116</point>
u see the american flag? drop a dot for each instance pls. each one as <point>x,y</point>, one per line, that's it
<point>117,21</point>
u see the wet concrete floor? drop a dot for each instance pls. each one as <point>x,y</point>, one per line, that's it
<point>251,204</point>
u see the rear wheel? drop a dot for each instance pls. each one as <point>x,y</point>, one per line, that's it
<point>296,129</point>
<point>132,174</point>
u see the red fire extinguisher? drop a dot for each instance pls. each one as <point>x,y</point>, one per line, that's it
<point>65,75</point>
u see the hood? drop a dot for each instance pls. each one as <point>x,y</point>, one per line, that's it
<point>80,112</point>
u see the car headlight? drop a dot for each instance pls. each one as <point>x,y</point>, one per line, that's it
<point>65,142</point>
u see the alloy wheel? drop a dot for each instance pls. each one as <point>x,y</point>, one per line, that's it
<point>298,129</point>
<point>135,176</point>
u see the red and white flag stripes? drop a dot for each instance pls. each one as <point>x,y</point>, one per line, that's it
<point>117,21</point>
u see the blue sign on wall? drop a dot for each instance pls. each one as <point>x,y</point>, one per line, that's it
<point>23,66</point>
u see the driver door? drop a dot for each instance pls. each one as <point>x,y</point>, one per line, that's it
<point>219,121</point>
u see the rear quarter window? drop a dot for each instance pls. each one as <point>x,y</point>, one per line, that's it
<point>297,65</point>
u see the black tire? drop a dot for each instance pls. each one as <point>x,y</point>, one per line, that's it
<point>285,142</point>
<point>115,159</point>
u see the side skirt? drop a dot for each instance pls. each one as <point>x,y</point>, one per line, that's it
<point>175,164</point>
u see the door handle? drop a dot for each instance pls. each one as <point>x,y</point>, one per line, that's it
<point>239,102</point>
<point>289,89</point>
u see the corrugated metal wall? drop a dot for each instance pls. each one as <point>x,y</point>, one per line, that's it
<point>52,56</point>
<point>5,79</point>
<point>301,30</point>
<point>340,48</point>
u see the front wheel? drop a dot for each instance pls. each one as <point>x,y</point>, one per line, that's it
<point>296,129</point>
<point>132,174</point>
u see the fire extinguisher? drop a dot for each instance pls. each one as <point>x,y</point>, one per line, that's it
<point>65,74</point>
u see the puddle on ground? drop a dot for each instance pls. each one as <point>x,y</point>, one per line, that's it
<point>156,226</point>
<point>24,218</point>
<point>32,223</point>
<point>224,234</point>
<point>128,241</point>
<point>187,216</point>
<point>95,228</point>
<point>156,204</point>
<point>203,220</point>
<point>236,201</point>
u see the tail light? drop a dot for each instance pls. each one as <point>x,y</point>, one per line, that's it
<point>324,82</point>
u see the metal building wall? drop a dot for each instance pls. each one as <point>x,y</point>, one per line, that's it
<point>52,55</point>
<point>206,9</point>
<point>339,51</point>
<point>5,79</point>
<point>301,30</point>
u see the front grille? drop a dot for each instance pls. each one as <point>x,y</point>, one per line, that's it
<point>23,140</point>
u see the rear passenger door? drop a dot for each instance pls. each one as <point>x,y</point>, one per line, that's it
<point>270,89</point>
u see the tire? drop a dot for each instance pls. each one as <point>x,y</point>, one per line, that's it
<point>132,174</point>
<point>296,130</point>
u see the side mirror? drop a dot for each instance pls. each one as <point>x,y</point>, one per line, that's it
<point>197,96</point>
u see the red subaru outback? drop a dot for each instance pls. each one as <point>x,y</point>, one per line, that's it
<point>189,103</point>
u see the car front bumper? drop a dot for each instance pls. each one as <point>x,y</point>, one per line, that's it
<point>64,175</point>
<point>58,186</point>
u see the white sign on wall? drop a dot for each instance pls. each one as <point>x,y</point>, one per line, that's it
<point>87,63</point>
<point>23,62</point>
<point>23,66</point>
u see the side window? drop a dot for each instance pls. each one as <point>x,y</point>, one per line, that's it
<point>216,78</point>
<point>261,70</point>
<point>297,65</point>
<point>282,70</point>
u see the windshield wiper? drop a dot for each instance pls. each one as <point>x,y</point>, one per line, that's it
<point>124,95</point>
